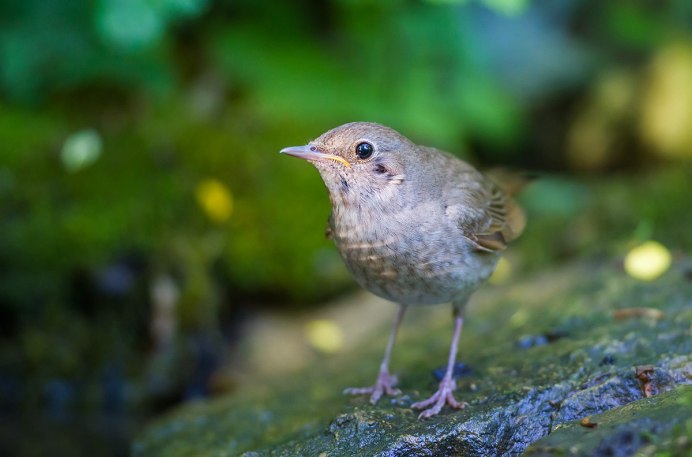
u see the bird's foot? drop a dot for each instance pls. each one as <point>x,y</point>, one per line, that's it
<point>383,385</point>
<point>444,395</point>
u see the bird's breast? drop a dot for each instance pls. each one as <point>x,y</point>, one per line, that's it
<point>409,256</point>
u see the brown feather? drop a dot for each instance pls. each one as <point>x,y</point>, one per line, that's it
<point>507,219</point>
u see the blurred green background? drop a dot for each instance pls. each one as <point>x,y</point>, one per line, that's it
<point>145,214</point>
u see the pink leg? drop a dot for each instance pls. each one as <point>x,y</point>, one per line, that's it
<point>385,382</point>
<point>444,394</point>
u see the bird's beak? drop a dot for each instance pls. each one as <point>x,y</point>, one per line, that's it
<point>309,152</point>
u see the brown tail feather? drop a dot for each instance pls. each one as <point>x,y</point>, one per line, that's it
<point>516,220</point>
<point>512,182</point>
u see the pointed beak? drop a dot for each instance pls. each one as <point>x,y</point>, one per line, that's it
<point>309,152</point>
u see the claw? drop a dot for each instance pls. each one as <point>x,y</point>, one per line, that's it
<point>443,396</point>
<point>383,385</point>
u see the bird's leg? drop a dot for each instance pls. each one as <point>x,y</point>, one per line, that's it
<point>385,382</point>
<point>444,394</point>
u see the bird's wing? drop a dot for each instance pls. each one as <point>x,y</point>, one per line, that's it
<point>485,213</point>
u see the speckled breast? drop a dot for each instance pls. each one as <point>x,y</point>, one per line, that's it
<point>424,265</point>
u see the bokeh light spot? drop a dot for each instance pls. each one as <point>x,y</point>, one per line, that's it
<point>502,272</point>
<point>130,24</point>
<point>324,335</point>
<point>81,149</point>
<point>215,199</point>
<point>667,105</point>
<point>648,261</point>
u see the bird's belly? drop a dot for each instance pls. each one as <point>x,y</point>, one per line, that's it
<point>416,270</point>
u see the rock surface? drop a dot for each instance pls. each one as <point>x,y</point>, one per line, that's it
<point>582,341</point>
<point>643,427</point>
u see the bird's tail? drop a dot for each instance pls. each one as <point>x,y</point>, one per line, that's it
<point>511,183</point>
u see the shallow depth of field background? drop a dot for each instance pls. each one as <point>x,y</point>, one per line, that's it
<point>146,217</point>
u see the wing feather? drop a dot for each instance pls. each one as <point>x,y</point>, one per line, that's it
<point>485,213</point>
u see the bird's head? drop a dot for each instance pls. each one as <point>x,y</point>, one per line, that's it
<point>358,160</point>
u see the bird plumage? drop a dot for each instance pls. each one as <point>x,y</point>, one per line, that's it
<point>413,224</point>
<point>409,220</point>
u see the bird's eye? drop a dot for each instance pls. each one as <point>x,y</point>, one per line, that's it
<point>364,150</point>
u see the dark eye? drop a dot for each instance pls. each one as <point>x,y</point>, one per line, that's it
<point>364,150</point>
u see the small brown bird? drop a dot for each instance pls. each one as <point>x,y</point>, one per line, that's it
<point>414,225</point>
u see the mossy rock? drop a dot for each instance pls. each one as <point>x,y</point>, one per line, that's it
<point>544,353</point>
<point>650,426</point>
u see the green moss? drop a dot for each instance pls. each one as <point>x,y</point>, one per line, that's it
<point>516,396</point>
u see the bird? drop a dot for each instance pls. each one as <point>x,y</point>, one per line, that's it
<point>414,225</point>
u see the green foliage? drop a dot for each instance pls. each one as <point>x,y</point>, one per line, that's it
<point>119,109</point>
<point>117,171</point>
<point>389,61</point>
<point>54,45</point>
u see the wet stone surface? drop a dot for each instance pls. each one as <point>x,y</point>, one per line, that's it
<point>521,396</point>
<point>662,423</point>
